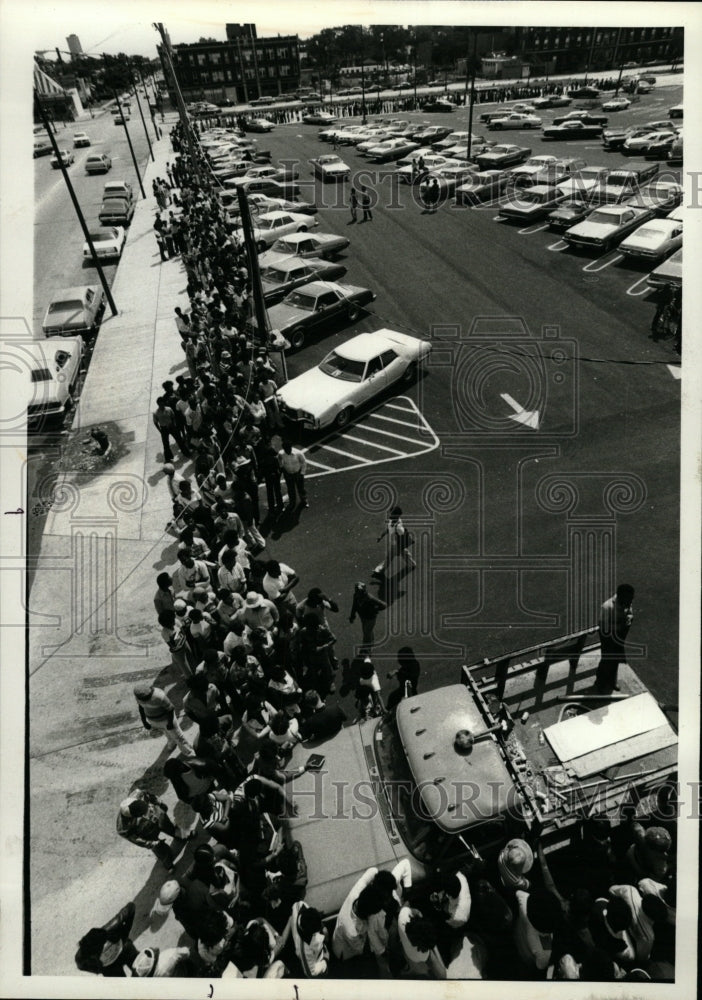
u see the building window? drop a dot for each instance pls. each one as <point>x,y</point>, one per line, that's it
<point>283,52</point>
<point>201,59</point>
<point>215,58</point>
<point>284,69</point>
<point>250,74</point>
<point>217,76</point>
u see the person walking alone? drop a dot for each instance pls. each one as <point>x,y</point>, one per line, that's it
<point>366,204</point>
<point>293,464</point>
<point>354,205</point>
<point>367,608</point>
<point>158,715</point>
<point>400,542</point>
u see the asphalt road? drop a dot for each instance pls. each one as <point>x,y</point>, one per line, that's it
<point>510,563</point>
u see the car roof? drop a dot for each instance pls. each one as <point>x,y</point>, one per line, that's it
<point>364,346</point>
<point>317,287</point>
<point>42,351</point>
<point>276,214</point>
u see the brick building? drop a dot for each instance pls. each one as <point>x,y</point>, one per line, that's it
<point>242,68</point>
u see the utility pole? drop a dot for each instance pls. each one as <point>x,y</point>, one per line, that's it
<point>81,219</point>
<point>141,114</point>
<point>151,112</point>
<point>260,311</point>
<point>471,99</point>
<point>129,141</point>
<point>185,123</point>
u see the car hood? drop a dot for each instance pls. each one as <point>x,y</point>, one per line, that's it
<point>592,228</point>
<point>638,242</point>
<point>314,392</point>
<point>340,827</point>
<point>284,315</point>
<point>65,318</point>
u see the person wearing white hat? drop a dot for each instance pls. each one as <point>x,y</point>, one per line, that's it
<point>258,611</point>
<point>159,962</point>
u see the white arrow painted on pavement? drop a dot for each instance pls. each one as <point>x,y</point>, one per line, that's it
<point>530,418</point>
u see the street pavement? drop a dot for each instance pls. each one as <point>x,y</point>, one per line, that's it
<point>499,536</point>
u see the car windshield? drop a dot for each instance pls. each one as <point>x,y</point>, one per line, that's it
<point>273,274</point>
<point>301,301</point>
<point>342,368</point>
<point>65,306</point>
<point>650,232</point>
<point>533,197</point>
<point>41,375</point>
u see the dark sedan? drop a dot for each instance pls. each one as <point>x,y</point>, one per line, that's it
<point>571,212</point>
<point>279,278</point>
<point>434,106</point>
<point>574,129</point>
<point>314,305</point>
<point>586,117</point>
<point>531,204</point>
<point>481,187</point>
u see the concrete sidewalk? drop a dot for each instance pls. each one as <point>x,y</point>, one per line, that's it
<point>93,628</point>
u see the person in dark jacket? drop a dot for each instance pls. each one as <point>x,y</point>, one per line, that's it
<point>367,608</point>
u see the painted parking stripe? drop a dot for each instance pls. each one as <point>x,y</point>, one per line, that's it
<point>393,420</point>
<point>642,291</point>
<point>376,444</point>
<point>607,263</point>
<point>675,371</point>
<point>557,246</point>
<point>346,454</point>
<point>533,228</point>
<point>329,455</point>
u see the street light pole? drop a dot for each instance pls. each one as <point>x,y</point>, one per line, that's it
<point>81,219</point>
<point>141,115</point>
<point>129,141</point>
<point>153,116</point>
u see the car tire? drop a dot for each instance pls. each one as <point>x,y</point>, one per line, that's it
<point>297,338</point>
<point>343,417</point>
<point>496,126</point>
<point>261,246</point>
<point>353,312</point>
<point>410,373</point>
<point>302,229</point>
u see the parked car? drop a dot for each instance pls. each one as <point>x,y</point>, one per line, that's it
<point>257,125</point>
<point>614,138</point>
<point>448,177</point>
<point>531,203</point>
<point>452,139</point>
<point>81,139</point>
<point>669,273</point>
<point>572,210</point>
<point>53,371</point>
<point>318,118</point>
<point>584,181</point>
<point>638,144</point>
<point>676,112</point>
<point>430,161</point>
<point>116,211</point>
<point>675,153</point>
<point>586,117</point>
<point>108,243</point>
<point>559,100</point>
<point>330,168</point>
<point>574,129</point>
<point>118,189</point>
<point>67,158</point>
<point>616,104</point>
<point>261,203</point>
<point>98,163</point>
<point>514,120</point>
<point>431,107</point>
<point>482,186</point>
<point>654,240</point>
<point>431,135</point>
<point>502,156</point>
<point>625,182</point>
<point>660,148</point>
<point>283,172</point>
<point>535,165</point>
<point>393,149</point>
<point>265,185</point>
<point>271,225</point>
<point>314,305</point>
<point>351,376</point>
<point>42,147</point>
<point>660,195</point>
<point>306,245</point>
<point>282,276</point>
<point>584,93</point>
<point>605,227</point>
<point>73,311</point>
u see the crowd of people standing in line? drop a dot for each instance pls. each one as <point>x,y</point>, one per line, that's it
<point>258,664</point>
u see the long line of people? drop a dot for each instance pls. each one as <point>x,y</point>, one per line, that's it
<point>259,665</point>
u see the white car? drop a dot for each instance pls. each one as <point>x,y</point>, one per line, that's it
<point>271,225</point>
<point>393,149</point>
<point>108,243</point>
<point>53,373</point>
<point>323,245</point>
<point>533,166</point>
<point>431,161</point>
<point>448,177</point>
<point>583,182</point>
<point>81,139</point>
<point>616,104</point>
<point>667,274</point>
<point>641,143</point>
<point>330,168</point>
<point>66,156</point>
<point>350,376</point>
<point>382,135</point>
<point>453,139</point>
<point>525,109</point>
<point>515,120</point>
<point>654,239</point>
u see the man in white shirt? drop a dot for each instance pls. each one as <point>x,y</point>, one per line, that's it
<point>538,915</point>
<point>278,583</point>
<point>293,465</point>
